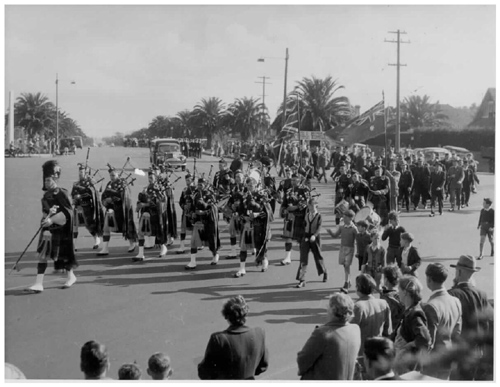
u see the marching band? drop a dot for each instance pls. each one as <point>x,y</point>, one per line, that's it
<point>247,201</point>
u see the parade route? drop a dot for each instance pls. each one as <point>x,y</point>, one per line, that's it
<point>137,309</point>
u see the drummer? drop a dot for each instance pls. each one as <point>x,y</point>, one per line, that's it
<point>294,211</point>
<point>342,183</point>
<point>379,190</point>
<point>358,192</point>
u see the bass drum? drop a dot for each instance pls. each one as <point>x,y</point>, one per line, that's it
<point>255,175</point>
<point>367,214</point>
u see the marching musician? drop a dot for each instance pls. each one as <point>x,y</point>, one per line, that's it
<point>222,178</point>
<point>343,180</point>
<point>119,212</point>
<point>150,206</point>
<point>394,176</point>
<point>358,192</point>
<point>88,210</point>
<point>56,239</point>
<point>379,190</point>
<point>255,213</point>
<point>405,185</point>
<point>294,206</point>
<point>230,211</point>
<point>169,213</point>
<point>205,216</point>
<point>186,204</point>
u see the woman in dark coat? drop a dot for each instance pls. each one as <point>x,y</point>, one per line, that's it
<point>239,352</point>
<point>412,336</point>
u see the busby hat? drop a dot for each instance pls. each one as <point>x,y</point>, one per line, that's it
<point>188,176</point>
<point>52,169</point>
<point>202,180</point>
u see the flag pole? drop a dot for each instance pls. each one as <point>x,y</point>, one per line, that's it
<point>385,132</point>
<point>298,131</point>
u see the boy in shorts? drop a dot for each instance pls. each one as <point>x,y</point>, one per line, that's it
<point>363,239</point>
<point>347,233</point>
<point>486,225</point>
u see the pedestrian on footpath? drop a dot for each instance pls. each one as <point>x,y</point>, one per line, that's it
<point>486,226</point>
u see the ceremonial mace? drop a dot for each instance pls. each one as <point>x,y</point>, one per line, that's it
<point>52,212</point>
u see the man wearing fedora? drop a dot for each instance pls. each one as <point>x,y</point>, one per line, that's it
<point>444,321</point>
<point>475,307</point>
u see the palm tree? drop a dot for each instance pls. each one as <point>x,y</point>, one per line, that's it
<point>211,116</point>
<point>34,112</point>
<point>247,115</point>
<point>159,127</point>
<point>184,118</point>
<point>418,112</point>
<point>318,108</point>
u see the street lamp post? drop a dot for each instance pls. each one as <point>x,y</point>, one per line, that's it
<point>262,59</point>
<point>56,146</point>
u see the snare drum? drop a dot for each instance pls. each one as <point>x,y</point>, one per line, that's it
<point>342,206</point>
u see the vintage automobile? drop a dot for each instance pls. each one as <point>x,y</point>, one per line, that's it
<point>167,151</point>
<point>460,152</point>
<point>67,146</point>
<point>441,152</point>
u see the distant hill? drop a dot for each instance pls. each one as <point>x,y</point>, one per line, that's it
<point>458,118</point>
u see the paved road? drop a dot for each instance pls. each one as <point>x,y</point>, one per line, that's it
<point>138,309</point>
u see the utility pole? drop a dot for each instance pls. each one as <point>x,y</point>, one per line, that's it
<point>56,145</point>
<point>398,64</point>
<point>284,95</point>
<point>263,100</point>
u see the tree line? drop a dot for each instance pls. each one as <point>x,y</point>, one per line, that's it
<point>36,114</point>
<point>314,104</point>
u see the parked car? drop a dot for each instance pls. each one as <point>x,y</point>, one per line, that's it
<point>441,152</point>
<point>460,152</point>
<point>167,151</point>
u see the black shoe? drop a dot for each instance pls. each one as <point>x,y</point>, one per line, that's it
<point>325,277</point>
<point>431,214</point>
<point>301,284</point>
<point>230,257</point>
<point>189,267</point>
<point>180,251</point>
<point>135,259</point>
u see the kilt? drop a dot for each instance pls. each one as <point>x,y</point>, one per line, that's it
<point>198,239</point>
<point>247,237</point>
<point>234,226</point>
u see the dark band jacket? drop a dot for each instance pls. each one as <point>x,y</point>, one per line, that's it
<point>186,199</point>
<point>113,191</point>
<point>253,206</point>
<point>50,200</point>
<point>149,198</point>
<point>81,192</point>
<point>202,200</point>
<point>298,197</point>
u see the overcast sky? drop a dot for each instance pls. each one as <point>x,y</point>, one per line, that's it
<point>132,63</point>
